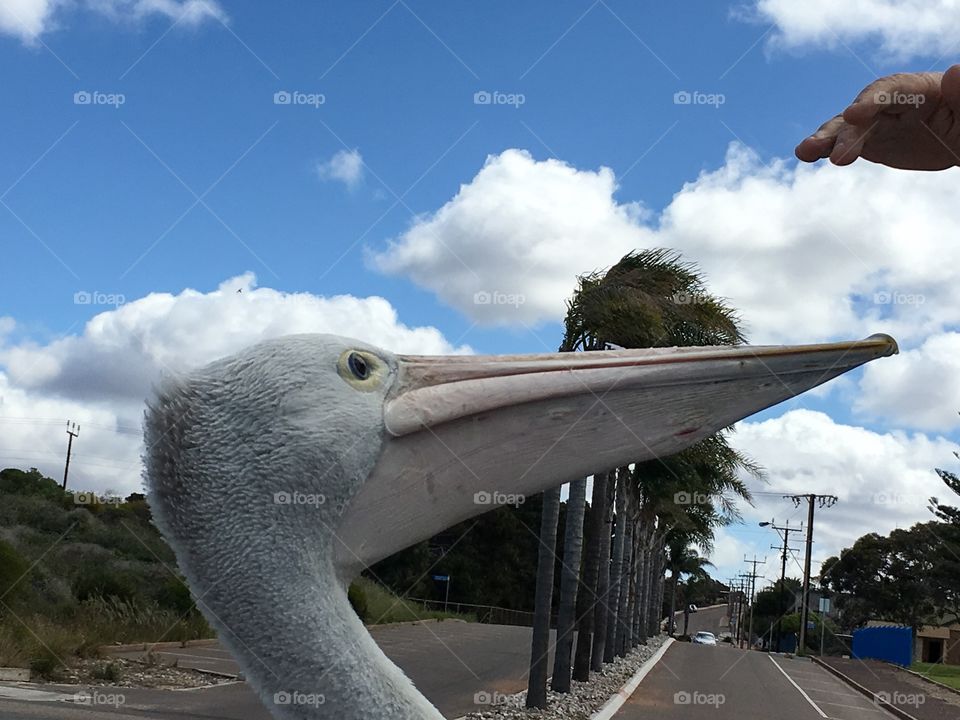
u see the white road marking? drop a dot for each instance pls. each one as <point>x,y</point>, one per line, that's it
<point>799,689</point>
<point>855,707</point>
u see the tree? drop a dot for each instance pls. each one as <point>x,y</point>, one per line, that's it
<point>569,579</point>
<point>537,684</point>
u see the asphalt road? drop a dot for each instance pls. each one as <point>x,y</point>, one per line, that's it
<point>449,662</point>
<point>724,683</point>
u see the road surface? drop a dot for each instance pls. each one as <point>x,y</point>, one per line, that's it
<point>450,662</point>
<point>724,683</point>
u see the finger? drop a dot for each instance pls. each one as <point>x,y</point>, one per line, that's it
<point>819,145</point>
<point>902,91</point>
<point>950,88</point>
<point>849,144</point>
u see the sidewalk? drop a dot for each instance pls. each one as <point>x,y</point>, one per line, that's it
<point>913,695</point>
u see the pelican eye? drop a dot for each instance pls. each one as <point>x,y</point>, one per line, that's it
<point>362,370</point>
<point>358,366</point>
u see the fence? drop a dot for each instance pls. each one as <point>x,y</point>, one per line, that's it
<point>484,613</point>
<point>887,642</point>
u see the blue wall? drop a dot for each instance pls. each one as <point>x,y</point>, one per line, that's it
<point>889,643</point>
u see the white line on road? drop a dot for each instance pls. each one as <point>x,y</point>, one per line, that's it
<point>799,689</point>
<point>610,708</point>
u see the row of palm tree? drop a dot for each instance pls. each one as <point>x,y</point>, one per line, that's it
<point>645,518</point>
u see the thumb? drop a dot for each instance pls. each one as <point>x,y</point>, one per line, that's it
<point>950,88</point>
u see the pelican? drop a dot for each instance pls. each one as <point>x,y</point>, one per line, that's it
<point>279,473</point>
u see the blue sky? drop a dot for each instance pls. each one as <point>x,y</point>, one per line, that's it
<point>199,176</point>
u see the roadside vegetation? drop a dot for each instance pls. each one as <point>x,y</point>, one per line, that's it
<point>946,674</point>
<point>79,571</point>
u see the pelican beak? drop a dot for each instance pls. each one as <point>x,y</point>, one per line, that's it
<point>467,433</point>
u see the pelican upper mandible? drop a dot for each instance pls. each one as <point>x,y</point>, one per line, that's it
<point>279,473</point>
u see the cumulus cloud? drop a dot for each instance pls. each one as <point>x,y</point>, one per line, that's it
<point>507,248</point>
<point>345,166</point>
<point>899,29</point>
<point>29,19</point>
<point>921,389</point>
<point>804,252</point>
<point>882,479</point>
<point>100,377</point>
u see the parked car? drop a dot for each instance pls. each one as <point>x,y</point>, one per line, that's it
<point>704,638</point>
<point>692,608</point>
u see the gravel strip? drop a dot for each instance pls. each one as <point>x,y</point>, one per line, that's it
<point>128,673</point>
<point>580,703</point>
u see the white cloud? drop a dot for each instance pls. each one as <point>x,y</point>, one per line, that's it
<point>345,166</point>
<point>28,19</point>
<point>921,389</point>
<point>100,378</point>
<point>806,253</point>
<point>520,228</point>
<point>882,480</point>
<point>899,29</point>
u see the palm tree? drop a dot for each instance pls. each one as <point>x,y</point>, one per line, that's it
<point>591,568</point>
<point>683,560</point>
<point>543,601</point>
<point>569,579</point>
<point>651,298</point>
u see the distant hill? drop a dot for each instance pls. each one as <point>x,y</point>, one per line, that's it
<point>79,570</point>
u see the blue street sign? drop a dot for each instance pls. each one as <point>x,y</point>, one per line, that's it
<point>441,577</point>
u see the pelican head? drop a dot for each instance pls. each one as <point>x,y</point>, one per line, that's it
<point>279,473</point>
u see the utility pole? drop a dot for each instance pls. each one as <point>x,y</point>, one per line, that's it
<point>73,430</point>
<point>753,586</point>
<point>824,501</point>
<point>786,530</point>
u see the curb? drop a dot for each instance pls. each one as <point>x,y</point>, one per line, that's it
<point>145,646</point>
<point>897,712</point>
<point>611,706</point>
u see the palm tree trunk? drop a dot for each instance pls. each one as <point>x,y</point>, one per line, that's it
<point>603,581</point>
<point>569,579</point>
<point>671,619</point>
<point>624,625</point>
<point>587,598</point>
<point>643,590</point>
<point>614,617</point>
<point>635,570</point>
<point>543,600</point>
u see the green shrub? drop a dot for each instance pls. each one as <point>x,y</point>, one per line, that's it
<point>109,672</point>
<point>103,581</point>
<point>358,600</point>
